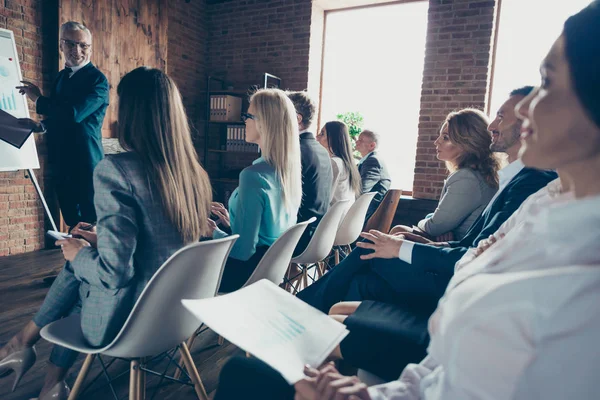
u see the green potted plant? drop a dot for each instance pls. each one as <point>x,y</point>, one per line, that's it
<point>354,121</point>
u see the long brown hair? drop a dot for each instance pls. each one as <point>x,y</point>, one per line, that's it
<point>153,124</point>
<point>467,128</point>
<point>338,140</point>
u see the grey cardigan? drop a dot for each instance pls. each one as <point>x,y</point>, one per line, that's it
<point>464,197</point>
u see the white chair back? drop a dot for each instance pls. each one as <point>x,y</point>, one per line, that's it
<point>159,321</point>
<point>353,222</point>
<point>321,243</point>
<point>276,260</point>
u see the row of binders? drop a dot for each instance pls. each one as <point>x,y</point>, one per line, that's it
<point>225,108</point>
<point>236,140</point>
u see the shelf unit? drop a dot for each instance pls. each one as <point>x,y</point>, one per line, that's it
<point>224,166</point>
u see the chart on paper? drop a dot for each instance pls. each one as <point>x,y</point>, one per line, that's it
<point>9,95</point>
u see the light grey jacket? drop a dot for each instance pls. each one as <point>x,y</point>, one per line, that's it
<point>135,238</point>
<point>464,197</point>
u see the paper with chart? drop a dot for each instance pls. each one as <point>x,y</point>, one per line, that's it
<point>272,325</point>
<point>15,104</point>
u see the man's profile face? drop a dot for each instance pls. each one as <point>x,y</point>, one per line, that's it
<point>364,144</point>
<point>506,127</point>
<point>76,47</point>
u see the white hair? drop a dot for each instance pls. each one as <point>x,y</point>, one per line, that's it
<point>72,26</point>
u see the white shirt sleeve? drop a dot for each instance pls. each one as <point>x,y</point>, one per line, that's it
<point>405,253</point>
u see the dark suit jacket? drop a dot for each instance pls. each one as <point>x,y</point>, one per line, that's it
<point>374,177</point>
<point>524,184</point>
<point>317,178</point>
<point>74,114</point>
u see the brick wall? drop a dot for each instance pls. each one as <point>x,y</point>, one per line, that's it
<point>21,213</point>
<point>187,58</point>
<point>250,37</point>
<point>459,34</point>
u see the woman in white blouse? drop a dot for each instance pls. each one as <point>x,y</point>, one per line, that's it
<point>346,179</point>
<point>521,320</point>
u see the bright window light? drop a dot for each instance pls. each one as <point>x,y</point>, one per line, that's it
<point>525,35</point>
<point>373,64</point>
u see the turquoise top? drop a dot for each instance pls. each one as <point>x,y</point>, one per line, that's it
<point>257,211</point>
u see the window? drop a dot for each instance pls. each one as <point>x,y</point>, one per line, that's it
<point>526,31</point>
<point>373,64</point>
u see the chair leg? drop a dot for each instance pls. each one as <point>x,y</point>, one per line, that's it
<point>221,340</point>
<point>85,368</point>
<point>337,257</point>
<point>191,368</point>
<point>134,380</point>
<point>142,380</point>
<point>190,343</point>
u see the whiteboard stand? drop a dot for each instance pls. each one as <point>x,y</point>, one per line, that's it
<point>39,192</point>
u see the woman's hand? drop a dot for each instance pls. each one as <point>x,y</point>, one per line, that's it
<point>71,246</point>
<point>485,244</point>
<point>446,237</point>
<point>87,232</point>
<point>212,225</point>
<point>220,211</point>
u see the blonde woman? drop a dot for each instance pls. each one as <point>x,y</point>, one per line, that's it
<point>266,202</point>
<point>150,201</point>
<point>464,144</point>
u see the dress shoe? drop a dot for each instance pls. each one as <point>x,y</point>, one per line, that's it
<point>60,391</point>
<point>19,362</point>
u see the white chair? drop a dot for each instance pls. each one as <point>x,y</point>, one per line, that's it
<point>158,321</point>
<point>320,245</point>
<point>352,224</point>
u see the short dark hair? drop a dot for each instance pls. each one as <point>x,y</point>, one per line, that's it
<point>304,106</point>
<point>522,91</point>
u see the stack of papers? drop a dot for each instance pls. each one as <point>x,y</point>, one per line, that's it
<point>272,325</point>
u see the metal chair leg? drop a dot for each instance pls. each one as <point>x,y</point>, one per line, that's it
<point>134,380</point>
<point>85,368</point>
<point>191,368</point>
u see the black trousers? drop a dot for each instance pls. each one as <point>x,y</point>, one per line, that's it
<point>250,378</point>
<point>237,272</point>
<point>354,279</point>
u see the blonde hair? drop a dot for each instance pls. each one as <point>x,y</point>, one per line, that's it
<point>152,122</point>
<point>467,129</point>
<point>278,129</point>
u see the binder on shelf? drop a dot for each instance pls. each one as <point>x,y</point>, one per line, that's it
<point>225,108</point>
<point>236,140</point>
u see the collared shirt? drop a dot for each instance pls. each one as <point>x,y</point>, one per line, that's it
<point>77,68</point>
<point>513,317</point>
<point>364,158</point>
<point>505,175</point>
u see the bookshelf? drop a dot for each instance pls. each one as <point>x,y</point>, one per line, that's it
<point>225,152</point>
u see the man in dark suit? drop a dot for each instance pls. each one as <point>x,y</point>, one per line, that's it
<point>317,175</point>
<point>394,270</point>
<point>374,175</point>
<point>74,114</point>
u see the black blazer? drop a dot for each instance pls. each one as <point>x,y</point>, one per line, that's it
<point>374,177</point>
<point>317,178</point>
<point>441,260</point>
<point>74,116</point>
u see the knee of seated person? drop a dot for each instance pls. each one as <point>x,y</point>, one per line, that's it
<point>400,229</point>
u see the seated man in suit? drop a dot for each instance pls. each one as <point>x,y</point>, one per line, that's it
<point>74,114</point>
<point>373,173</point>
<point>317,174</point>
<point>417,273</point>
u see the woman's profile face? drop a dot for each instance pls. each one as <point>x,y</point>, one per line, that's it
<point>446,149</point>
<point>556,130</point>
<point>252,135</point>
<point>322,138</point>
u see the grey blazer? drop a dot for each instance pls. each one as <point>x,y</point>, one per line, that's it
<point>464,197</point>
<point>374,177</point>
<point>135,237</point>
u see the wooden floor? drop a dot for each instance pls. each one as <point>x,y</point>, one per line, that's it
<point>22,290</point>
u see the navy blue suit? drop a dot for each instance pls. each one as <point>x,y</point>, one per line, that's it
<point>397,282</point>
<point>74,114</point>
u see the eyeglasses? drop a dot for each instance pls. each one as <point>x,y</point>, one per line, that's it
<point>246,116</point>
<point>71,44</point>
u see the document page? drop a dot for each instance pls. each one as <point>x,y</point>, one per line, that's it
<point>272,325</point>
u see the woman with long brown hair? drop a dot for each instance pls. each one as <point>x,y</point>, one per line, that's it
<point>150,201</point>
<point>335,138</point>
<point>464,145</point>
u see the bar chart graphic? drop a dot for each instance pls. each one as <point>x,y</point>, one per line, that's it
<point>8,102</point>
